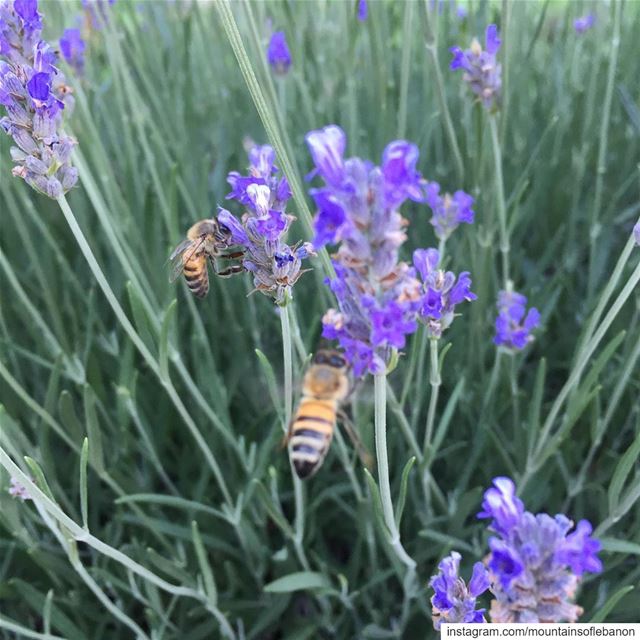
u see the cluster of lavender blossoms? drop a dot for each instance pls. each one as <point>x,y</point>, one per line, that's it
<point>482,72</point>
<point>514,324</point>
<point>278,54</point>
<point>363,10</point>
<point>442,291</point>
<point>449,211</point>
<point>378,295</point>
<point>453,600</point>
<point>33,93</point>
<point>535,564</point>
<point>274,264</point>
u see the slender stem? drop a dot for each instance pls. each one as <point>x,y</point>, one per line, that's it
<point>432,49</point>
<point>140,345</point>
<point>594,224</point>
<point>435,382</point>
<point>513,377</point>
<point>380,393</point>
<point>500,202</point>
<point>405,67</point>
<point>288,407</point>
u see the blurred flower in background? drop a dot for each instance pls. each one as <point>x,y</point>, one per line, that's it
<point>363,10</point>
<point>513,327</point>
<point>535,563</point>
<point>72,47</point>
<point>34,94</point>
<point>453,600</point>
<point>482,72</point>
<point>18,491</point>
<point>278,54</point>
<point>448,211</point>
<point>264,193</point>
<point>584,23</point>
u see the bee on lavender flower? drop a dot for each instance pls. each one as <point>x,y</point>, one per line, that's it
<point>207,241</point>
<point>325,386</point>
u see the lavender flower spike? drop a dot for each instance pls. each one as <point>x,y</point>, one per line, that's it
<point>535,564</point>
<point>454,600</point>
<point>264,193</point>
<point>72,47</point>
<point>278,54</point>
<point>636,233</point>
<point>448,211</point>
<point>584,23</point>
<point>513,328</point>
<point>482,72</point>
<point>33,93</point>
<point>441,292</point>
<point>363,10</point>
<point>378,295</point>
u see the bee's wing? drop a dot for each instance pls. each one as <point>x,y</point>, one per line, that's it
<point>182,254</point>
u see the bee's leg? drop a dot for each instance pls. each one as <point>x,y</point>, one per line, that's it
<point>232,255</point>
<point>227,271</point>
<point>363,453</point>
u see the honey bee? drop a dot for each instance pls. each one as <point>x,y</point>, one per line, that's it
<point>324,387</point>
<point>206,241</point>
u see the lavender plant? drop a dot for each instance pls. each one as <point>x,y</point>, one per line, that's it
<point>33,94</point>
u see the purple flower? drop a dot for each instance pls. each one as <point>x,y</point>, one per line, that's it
<point>453,600</point>
<point>442,291</point>
<point>363,10</point>
<point>16,490</point>
<point>378,296</point>
<point>264,193</point>
<point>448,211</point>
<point>584,23</point>
<point>636,233</point>
<point>33,93</point>
<point>278,54</point>
<point>535,564</point>
<point>72,47</point>
<point>513,327</point>
<point>482,72</point>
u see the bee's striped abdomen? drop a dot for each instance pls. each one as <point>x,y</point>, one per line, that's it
<point>311,434</point>
<point>196,275</point>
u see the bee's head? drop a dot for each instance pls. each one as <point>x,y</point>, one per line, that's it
<point>330,358</point>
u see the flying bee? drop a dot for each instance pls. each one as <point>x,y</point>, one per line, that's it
<point>207,241</point>
<point>324,387</point>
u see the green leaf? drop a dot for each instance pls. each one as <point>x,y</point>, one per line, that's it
<point>68,416</point>
<point>613,545</point>
<point>96,455</point>
<point>39,478</point>
<point>535,406</point>
<point>84,455</point>
<point>622,471</point>
<point>274,512</point>
<point>163,347</point>
<point>301,580</point>
<point>609,605</point>
<point>205,566</point>
<point>140,317</point>
<point>377,503</point>
<point>272,385</point>
<point>404,484</point>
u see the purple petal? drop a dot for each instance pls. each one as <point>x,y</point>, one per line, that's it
<point>327,147</point>
<point>492,39</point>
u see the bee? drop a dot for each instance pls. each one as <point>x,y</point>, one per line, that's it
<point>324,387</point>
<point>206,241</point>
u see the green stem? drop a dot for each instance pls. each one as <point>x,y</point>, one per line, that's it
<point>594,224</point>
<point>405,67</point>
<point>432,49</point>
<point>514,395</point>
<point>140,345</point>
<point>500,202</point>
<point>380,393</point>
<point>435,382</point>
<point>288,408</point>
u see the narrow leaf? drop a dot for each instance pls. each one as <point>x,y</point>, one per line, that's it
<point>609,605</point>
<point>163,347</point>
<point>96,455</point>
<point>613,545</point>
<point>39,478</point>
<point>205,567</point>
<point>84,456</point>
<point>302,580</point>
<point>377,503</point>
<point>404,485</point>
<point>622,471</point>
